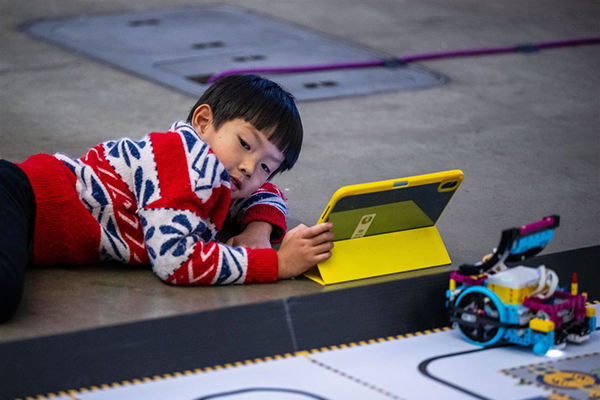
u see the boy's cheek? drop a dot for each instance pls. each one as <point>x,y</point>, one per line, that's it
<point>250,188</point>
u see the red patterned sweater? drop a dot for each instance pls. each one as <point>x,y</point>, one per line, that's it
<point>160,200</point>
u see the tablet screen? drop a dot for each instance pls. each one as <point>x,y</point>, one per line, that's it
<point>390,210</point>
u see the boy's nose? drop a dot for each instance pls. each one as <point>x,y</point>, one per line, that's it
<point>247,170</point>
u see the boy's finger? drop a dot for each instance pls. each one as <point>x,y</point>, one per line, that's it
<point>298,227</point>
<point>317,229</point>
<point>323,248</point>
<point>322,238</point>
<point>322,257</point>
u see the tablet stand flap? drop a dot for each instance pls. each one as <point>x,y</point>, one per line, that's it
<point>383,254</point>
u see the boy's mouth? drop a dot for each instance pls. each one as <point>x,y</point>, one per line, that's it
<point>236,183</point>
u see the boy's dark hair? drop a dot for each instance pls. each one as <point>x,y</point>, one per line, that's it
<point>262,103</point>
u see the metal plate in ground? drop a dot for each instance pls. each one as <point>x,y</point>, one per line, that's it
<point>182,48</point>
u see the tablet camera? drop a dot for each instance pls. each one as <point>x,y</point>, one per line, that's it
<point>449,185</point>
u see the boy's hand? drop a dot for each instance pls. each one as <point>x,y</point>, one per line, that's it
<point>304,247</point>
<point>257,235</point>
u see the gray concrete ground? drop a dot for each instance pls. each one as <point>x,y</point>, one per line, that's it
<point>524,128</point>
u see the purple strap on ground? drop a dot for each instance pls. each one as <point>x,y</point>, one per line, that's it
<point>289,70</point>
<point>413,58</point>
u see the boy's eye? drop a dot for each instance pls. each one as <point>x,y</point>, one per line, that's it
<point>244,144</point>
<point>266,168</point>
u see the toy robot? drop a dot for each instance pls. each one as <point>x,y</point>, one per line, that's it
<point>491,303</point>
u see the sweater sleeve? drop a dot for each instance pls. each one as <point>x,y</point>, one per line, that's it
<point>179,227</point>
<point>181,251</point>
<point>266,204</point>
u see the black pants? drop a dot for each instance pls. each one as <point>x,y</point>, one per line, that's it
<point>17,219</point>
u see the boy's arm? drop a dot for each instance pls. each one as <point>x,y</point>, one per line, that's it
<point>176,240</point>
<point>182,253</point>
<point>256,235</point>
<point>261,217</point>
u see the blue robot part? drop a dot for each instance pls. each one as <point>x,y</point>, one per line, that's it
<point>538,240</point>
<point>481,315</point>
<point>541,341</point>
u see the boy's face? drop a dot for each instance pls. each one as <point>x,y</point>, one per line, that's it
<point>249,157</point>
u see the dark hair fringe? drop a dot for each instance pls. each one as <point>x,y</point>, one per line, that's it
<point>262,103</point>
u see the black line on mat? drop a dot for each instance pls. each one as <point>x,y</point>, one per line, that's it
<point>259,389</point>
<point>424,364</point>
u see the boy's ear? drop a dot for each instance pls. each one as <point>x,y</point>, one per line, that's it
<point>202,118</point>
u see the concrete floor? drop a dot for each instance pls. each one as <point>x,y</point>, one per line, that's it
<point>524,128</point>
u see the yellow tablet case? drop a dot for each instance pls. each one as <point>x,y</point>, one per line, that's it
<point>386,227</point>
